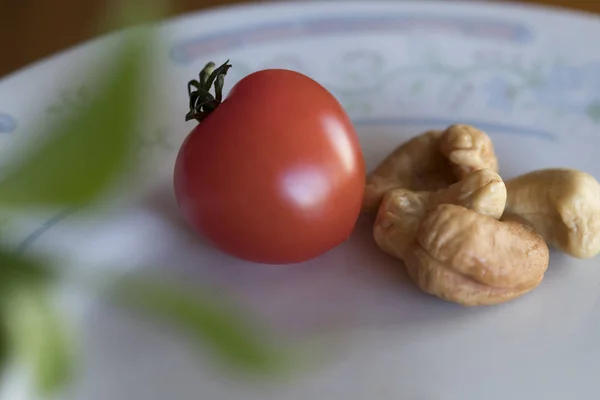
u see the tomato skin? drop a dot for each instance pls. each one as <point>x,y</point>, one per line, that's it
<point>275,174</point>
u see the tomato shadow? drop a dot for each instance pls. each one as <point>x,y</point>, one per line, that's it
<point>353,287</point>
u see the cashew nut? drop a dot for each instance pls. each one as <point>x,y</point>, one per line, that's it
<point>416,164</point>
<point>563,205</point>
<point>469,258</point>
<point>430,162</point>
<point>468,149</point>
<point>402,210</point>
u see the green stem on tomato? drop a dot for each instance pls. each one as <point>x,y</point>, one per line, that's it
<point>202,102</point>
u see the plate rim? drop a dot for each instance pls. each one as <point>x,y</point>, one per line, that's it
<point>173,20</point>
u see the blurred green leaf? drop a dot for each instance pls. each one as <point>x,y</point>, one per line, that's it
<point>120,14</point>
<point>3,348</point>
<point>202,318</point>
<point>16,270</point>
<point>83,154</point>
<point>36,335</point>
<point>31,329</point>
<point>75,160</point>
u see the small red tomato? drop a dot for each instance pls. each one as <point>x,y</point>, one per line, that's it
<point>272,174</point>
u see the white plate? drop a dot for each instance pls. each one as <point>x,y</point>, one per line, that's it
<point>530,77</point>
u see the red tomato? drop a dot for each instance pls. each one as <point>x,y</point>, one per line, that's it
<point>275,173</point>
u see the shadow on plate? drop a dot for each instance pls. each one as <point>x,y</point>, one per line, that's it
<point>353,286</point>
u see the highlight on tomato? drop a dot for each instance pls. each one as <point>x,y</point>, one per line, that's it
<point>274,173</point>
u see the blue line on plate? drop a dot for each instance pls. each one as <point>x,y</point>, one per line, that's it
<point>7,123</point>
<point>188,50</point>
<point>442,123</point>
<point>33,236</point>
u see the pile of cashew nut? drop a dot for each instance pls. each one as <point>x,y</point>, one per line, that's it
<point>464,234</point>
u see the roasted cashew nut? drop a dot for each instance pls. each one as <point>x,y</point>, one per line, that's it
<point>563,205</point>
<point>469,258</point>
<point>401,210</point>
<point>416,164</point>
<point>468,149</point>
<point>430,162</point>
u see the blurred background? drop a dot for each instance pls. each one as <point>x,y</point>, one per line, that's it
<point>33,29</point>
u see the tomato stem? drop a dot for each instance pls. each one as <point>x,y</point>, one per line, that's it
<point>202,102</point>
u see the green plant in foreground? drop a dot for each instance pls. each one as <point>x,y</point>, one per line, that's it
<point>78,160</point>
